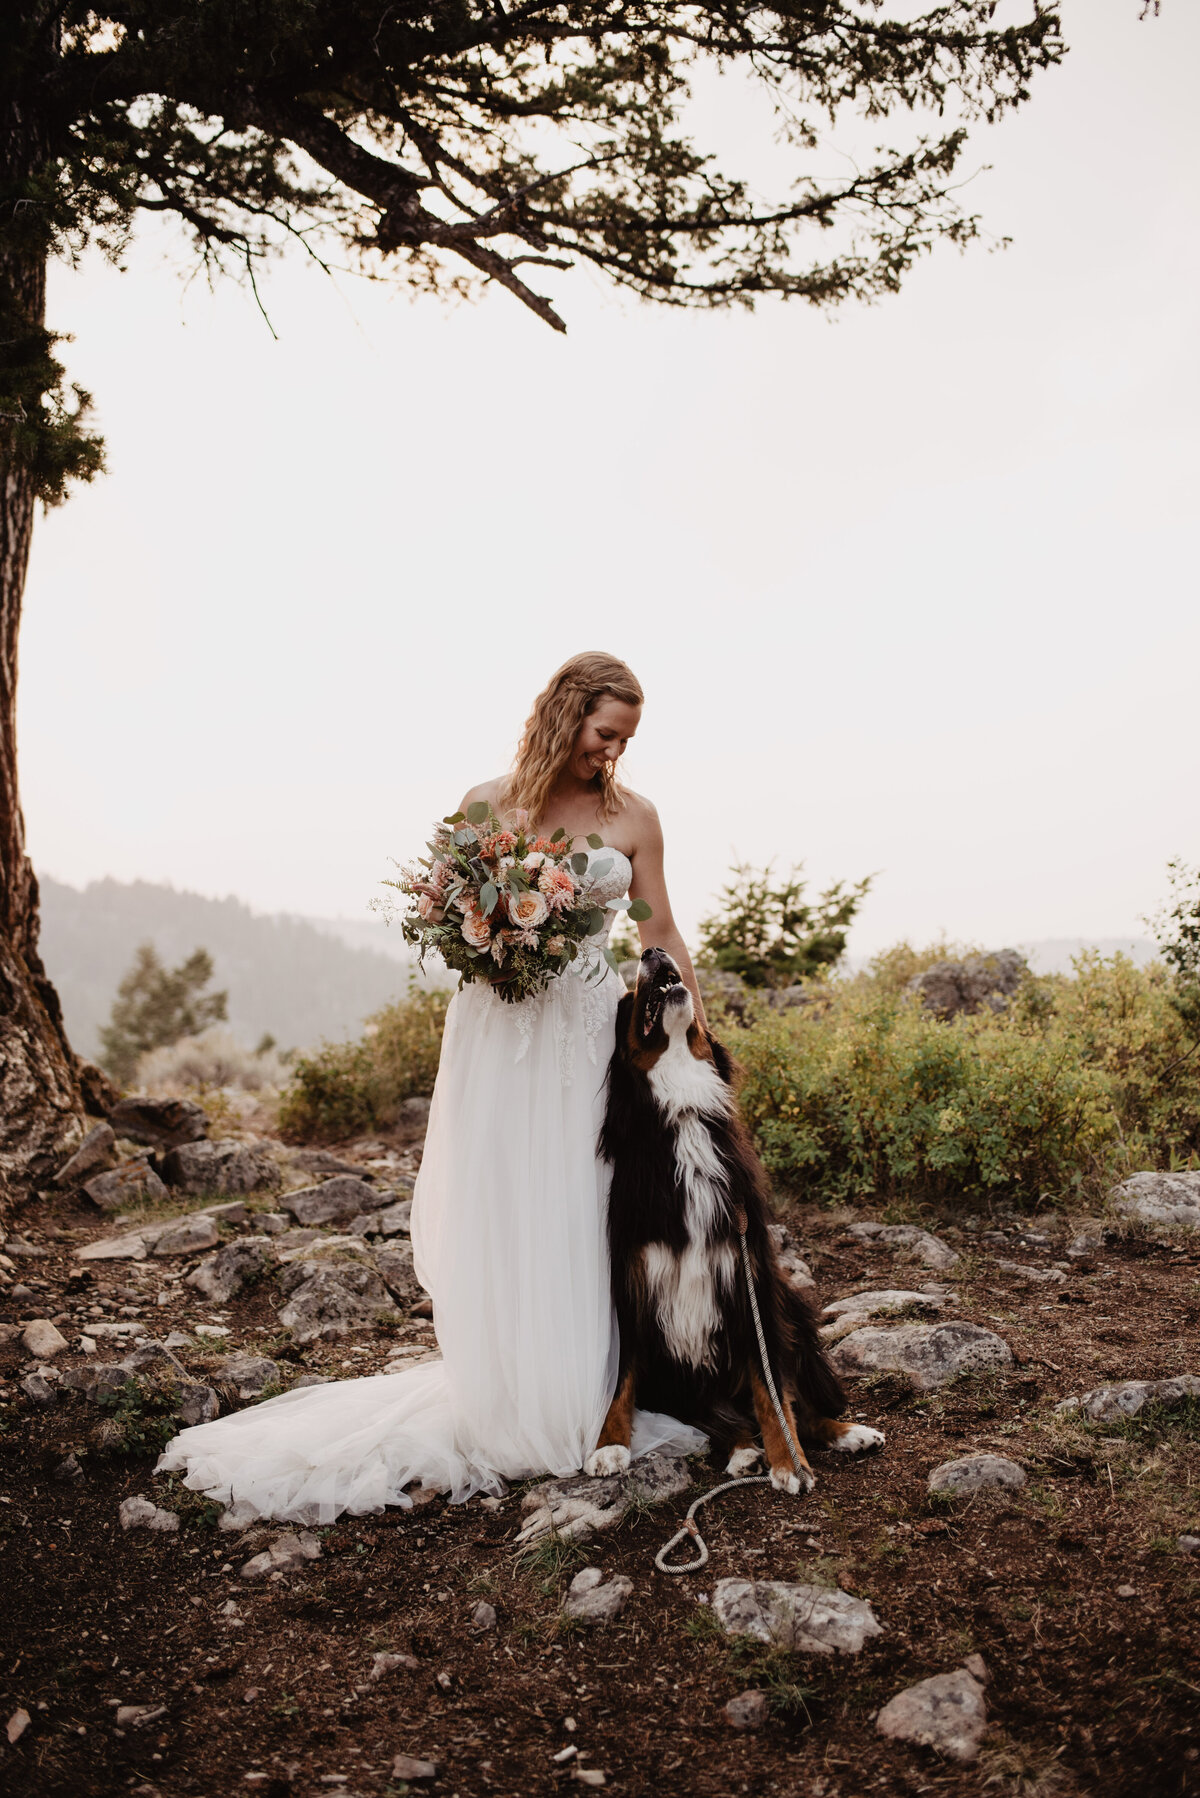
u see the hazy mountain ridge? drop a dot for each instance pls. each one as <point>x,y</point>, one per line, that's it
<point>298,978</point>
<point>301,979</point>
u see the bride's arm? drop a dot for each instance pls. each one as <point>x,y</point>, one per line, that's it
<point>650,883</point>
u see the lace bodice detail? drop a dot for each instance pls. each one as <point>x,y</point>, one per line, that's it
<point>608,877</point>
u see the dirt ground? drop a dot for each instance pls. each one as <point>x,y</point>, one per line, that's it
<point>1073,1590</point>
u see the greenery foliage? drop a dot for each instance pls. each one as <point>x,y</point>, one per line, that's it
<point>1177,928</point>
<point>346,1088</point>
<point>765,932</point>
<point>862,1092</point>
<point>157,1007</point>
<point>140,1419</point>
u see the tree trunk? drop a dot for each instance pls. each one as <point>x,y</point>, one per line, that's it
<point>39,1077</point>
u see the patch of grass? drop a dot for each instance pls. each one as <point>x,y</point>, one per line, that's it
<point>549,1560</point>
<point>140,1419</point>
<point>775,1672</point>
<point>192,1508</point>
<point>704,1626</point>
<point>1154,1423</point>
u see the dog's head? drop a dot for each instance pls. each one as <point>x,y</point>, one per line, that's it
<point>660,1012</point>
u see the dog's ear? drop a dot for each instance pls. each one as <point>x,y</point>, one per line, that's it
<point>722,1060</point>
<point>627,1091</point>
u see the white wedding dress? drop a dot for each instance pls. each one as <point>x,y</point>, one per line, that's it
<point>509,1239</point>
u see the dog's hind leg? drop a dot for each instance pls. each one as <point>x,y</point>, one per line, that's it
<point>845,1438</point>
<point>784,1475</point>
<point>746,1456</point>
<point>611,1453</point>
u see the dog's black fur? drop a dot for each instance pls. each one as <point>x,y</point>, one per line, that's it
<point>649,1205</point>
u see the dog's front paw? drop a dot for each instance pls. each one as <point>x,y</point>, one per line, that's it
<point>786,1479</point>
<point>742,1460</point>
<point>857,1440</point>
<point>612,1459</point>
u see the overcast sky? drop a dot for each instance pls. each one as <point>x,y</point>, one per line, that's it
<point>912,590</point>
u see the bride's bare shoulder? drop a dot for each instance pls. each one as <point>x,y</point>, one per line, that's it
<point>487,789</point>
<point>640,817</point>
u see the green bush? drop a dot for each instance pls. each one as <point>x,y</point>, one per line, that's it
<point>863,1092</point>
<point>345,1089</point>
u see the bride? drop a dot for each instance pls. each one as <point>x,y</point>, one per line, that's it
<point>508,1216</point>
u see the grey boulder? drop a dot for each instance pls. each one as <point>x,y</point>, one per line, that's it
<point>225,1168</point>
<point>946,1713</point>
<point>133,1183</point>
<point>222,1275</point>
<point>975,1473</point>
<point>284,1555</point>
<point>395,1264</point>
<point>95,1154</point>
<point>335,1201</point>
<point>807,1619</point>
<point>1108,1404</point>
<point>43,1340</point>
<point>37,1389</point>
<point>160,1123</point>
<point>395,1220</point>
<point>1171,1199</point>
<point>573,1508</point>
<point>593,1599</point>
<point>248,1375</point>
<point>980,982</point>
<point>141,1514</point>
<point>186,1236</point>
<point>920,1244</point>
<point>929,1354</point>
<point>331,1298</point>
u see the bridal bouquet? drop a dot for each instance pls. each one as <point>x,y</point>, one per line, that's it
<point>503,905</point>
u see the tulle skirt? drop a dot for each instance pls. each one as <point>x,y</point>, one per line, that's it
<point>509,1240</point>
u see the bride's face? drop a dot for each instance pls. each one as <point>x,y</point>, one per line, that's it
<point>603,736</point>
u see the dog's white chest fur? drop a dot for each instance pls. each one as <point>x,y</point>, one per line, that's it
<point>685,1287</point>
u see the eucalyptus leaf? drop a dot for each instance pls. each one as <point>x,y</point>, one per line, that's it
<point>602,868</point>
<point>558,836</point>
<point>612,961</point>
<point>488,896</point>
<point>639,911</point>
<point>478,811</point>
<point>455,818</point>
<point>595,842</point>
<point>580,863</point>
<point>618,904</point>
<point>596,921</point>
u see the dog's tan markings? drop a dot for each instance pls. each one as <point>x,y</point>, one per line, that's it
<point>698,1043</point>
<point>779,1457</point>
<point>618,1425</point>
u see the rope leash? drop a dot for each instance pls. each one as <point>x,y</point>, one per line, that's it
<point>689,1527</point>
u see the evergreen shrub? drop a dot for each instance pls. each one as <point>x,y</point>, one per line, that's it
<point>345,1089</point>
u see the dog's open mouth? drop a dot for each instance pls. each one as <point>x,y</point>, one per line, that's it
<point>663,983</point>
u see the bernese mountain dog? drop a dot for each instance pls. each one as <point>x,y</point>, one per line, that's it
<point>685,1181</point>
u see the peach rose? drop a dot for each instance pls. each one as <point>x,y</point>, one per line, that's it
<point>430,909</point>
<point>527,911</point>
<point>475,928</point>
<point>534,860</point>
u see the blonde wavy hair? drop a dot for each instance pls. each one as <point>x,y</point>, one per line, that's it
<point>553,725</point>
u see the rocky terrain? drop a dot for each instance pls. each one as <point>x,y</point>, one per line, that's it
<point>1003,1599</point>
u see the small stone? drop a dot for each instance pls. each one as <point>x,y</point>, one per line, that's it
<point>96,1152</point>
<point>335,1201</point>
<point>974,1473</point>
<point>749,1710</point>
<point>161,1123</point>
<point>1187,1545</point>
<point>249,1375</point>
<point>24,1250</point>
<point>68,1469</point>
<point>395,1220</point>
<point>483,1616</point>
<point>946,1713</point>
<point>189,1236</point>
<point>237,1516</point>
<point>592,1599</point>
<point>87,1345</point>
<point>565,1754</point>
<point>285,1554</point>
<point>589,1776</point>
<point>136,1716</point>
<point>392,1663</point>
<point>133,1183</point>
<point>198,1404</point>
<point>365,1224</point>
<point>213,1330</point>
<point>1105,1404</point>
<point>929,1354</point>
<point>251,1693</point>
<point>1044,1276</point>
<point>1126,1591</point>
<point>273,1223</point>
<point>129,1247</point>
<point>142,1514</point>
<point>221,1276</point>
<point>809,1619</point>
<point>17,1724</point>
<point>415,1771</point>
<point>930,1250</point>
<point>38,1389</point>
<point>977,1668</point>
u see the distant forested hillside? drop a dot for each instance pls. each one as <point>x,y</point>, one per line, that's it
<point>297,979</point>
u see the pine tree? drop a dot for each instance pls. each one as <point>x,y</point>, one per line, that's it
<point>156,1007</point>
